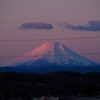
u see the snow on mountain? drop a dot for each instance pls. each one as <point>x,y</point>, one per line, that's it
<point>51,53</point>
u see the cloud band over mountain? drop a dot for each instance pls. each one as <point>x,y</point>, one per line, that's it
<point>92,26</point>
<point>36,25</point>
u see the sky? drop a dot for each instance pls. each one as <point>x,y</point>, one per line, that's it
<point>49,19</point>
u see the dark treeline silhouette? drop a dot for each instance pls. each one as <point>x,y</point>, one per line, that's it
<point>28,85</point>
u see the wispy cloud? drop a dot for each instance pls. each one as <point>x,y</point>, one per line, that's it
<point>92,26</point>
<point>36,25</point>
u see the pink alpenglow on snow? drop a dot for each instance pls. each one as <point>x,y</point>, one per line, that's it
<point>53,53</point>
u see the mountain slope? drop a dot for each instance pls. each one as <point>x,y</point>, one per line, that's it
<point>51,54</point>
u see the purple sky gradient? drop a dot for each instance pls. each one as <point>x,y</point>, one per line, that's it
<point>13,13</point>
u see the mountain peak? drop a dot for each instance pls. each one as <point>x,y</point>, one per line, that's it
<point>52,43</point>
<point>53,53</point>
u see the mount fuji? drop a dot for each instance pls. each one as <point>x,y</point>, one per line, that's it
<point>51,54</point>
<point>51,57</point>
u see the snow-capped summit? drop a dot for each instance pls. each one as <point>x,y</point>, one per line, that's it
<point>52,53</point>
